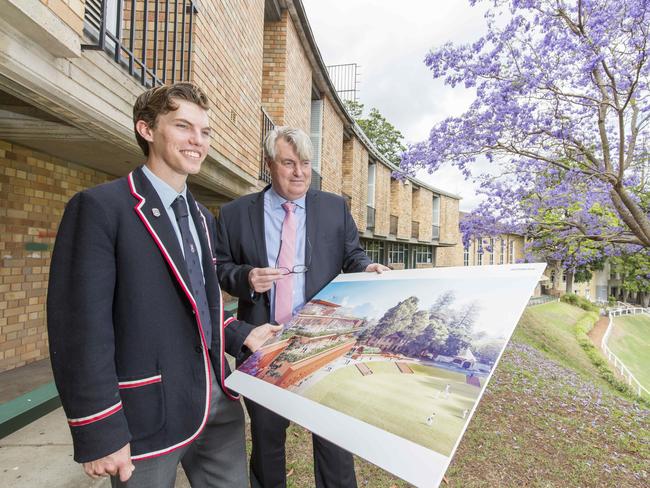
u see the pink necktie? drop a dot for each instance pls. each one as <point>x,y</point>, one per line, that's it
<point>284,286</point>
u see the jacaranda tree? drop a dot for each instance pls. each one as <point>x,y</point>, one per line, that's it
<point>562,102</point>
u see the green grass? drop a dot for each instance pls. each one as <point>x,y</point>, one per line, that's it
<point>550,328</point>
<point>400,403</point>
<point>630,341</point>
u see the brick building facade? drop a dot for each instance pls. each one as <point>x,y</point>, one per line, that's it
<point>65,125</point>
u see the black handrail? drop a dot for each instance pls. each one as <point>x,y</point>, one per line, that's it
<point>133,55</point>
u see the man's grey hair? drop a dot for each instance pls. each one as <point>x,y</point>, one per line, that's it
<point>298,139</point>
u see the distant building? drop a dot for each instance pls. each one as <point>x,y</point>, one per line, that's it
<point>465,359</point>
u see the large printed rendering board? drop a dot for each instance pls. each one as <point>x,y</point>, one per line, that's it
<point>391,367</point>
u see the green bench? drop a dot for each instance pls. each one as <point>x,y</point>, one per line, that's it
<point>27,408</point>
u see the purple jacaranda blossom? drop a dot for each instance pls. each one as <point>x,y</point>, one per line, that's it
<point>563,103</point>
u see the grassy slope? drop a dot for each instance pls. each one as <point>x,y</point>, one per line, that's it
<point>545,420</point>
<point>630,341</point>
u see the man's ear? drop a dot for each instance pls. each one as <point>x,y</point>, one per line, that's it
<point>144,130</point>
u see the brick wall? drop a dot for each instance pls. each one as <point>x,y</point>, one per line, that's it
<point>34,189</point>
<point>382,200</point>
<point>449,234</point>
<point>286,84</point>
<point>423,212</point>
<point>355,179</point>
<point>400,203</point>
<point>332,145</point>
<point>297,102</point>
<point>70,12</point>
<point>228,65</point>
<point>274,68</point>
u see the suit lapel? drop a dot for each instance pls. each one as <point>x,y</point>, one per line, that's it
<point>256,215</point>
<point>154,217</point>
<point>312,208</point>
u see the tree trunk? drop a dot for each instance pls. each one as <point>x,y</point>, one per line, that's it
<point>569,282</point>
<point>645,299</point>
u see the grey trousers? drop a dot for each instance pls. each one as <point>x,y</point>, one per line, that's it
<point>216,459</point>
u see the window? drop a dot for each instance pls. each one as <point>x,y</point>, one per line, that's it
<point>374,250</point>
<point>491,250</point>
<point>479,251</point>
<point>503,250</point>
<point>512,252</point>
<point>436,210</point>
<point>93,19</point>
<point>423,254</point>
<point>396,253</point>
<point>372,176</point>
<point>316,131</point>
<point>466,256</point>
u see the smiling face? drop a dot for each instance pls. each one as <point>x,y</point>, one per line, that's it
<point>178,143</point>
<point>290,176</point>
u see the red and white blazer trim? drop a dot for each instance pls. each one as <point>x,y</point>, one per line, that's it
<point>229,321</point>
<point>95,417</point>
<point>137,383</point>
<point>179,278</point>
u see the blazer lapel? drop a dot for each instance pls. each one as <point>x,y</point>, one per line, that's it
<point>312,208</point>
<point>256,215</point>
<point>154,217</point>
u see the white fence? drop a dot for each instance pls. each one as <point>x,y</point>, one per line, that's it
<point>541,299</point>
<point>613,358</point>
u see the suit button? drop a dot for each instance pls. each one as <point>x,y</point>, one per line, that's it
<point>198,349</point>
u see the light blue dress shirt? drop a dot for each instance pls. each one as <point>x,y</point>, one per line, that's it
<point>273,218</point>
<point>167,195</point>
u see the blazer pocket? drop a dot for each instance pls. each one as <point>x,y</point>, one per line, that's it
<point>144,404</point>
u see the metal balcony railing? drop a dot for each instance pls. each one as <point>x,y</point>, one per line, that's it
<point>415,229</point>
<point>152,39</point>
<point>370,218</point>
<point>267,126</point>
<point>435,232</point>
<point>393,225</point>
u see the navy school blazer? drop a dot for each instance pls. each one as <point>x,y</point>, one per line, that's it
<point>127,350</point>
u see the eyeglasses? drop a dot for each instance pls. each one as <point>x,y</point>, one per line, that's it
<point>296,269</point>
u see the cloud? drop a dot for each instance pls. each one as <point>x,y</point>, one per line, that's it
<point>389,40</point>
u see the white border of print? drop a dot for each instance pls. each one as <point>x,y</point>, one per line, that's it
<point>416,464</point>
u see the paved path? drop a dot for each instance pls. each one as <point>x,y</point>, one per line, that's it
<point>598,331</point>
<point>40,455</point>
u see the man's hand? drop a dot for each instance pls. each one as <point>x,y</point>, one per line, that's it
<point>117,463</point>
<point>259,335</point>
<point>261,279</point>
<point>377,268</point>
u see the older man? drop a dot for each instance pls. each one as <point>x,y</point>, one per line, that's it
<point>276,249</point>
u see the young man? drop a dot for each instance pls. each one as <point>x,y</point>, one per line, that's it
<point>260,238</point>
<point>136,322</point>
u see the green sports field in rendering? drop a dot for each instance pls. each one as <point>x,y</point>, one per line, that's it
<point>401,403</point>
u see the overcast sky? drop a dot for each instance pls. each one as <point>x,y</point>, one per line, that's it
<point>389,41</point>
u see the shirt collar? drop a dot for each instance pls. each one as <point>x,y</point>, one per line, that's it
<point>166,193</point>
<point>277,201</point>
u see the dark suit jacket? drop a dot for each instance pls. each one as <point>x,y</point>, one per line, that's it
<point>129,358</point>
<point>241,246</point>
